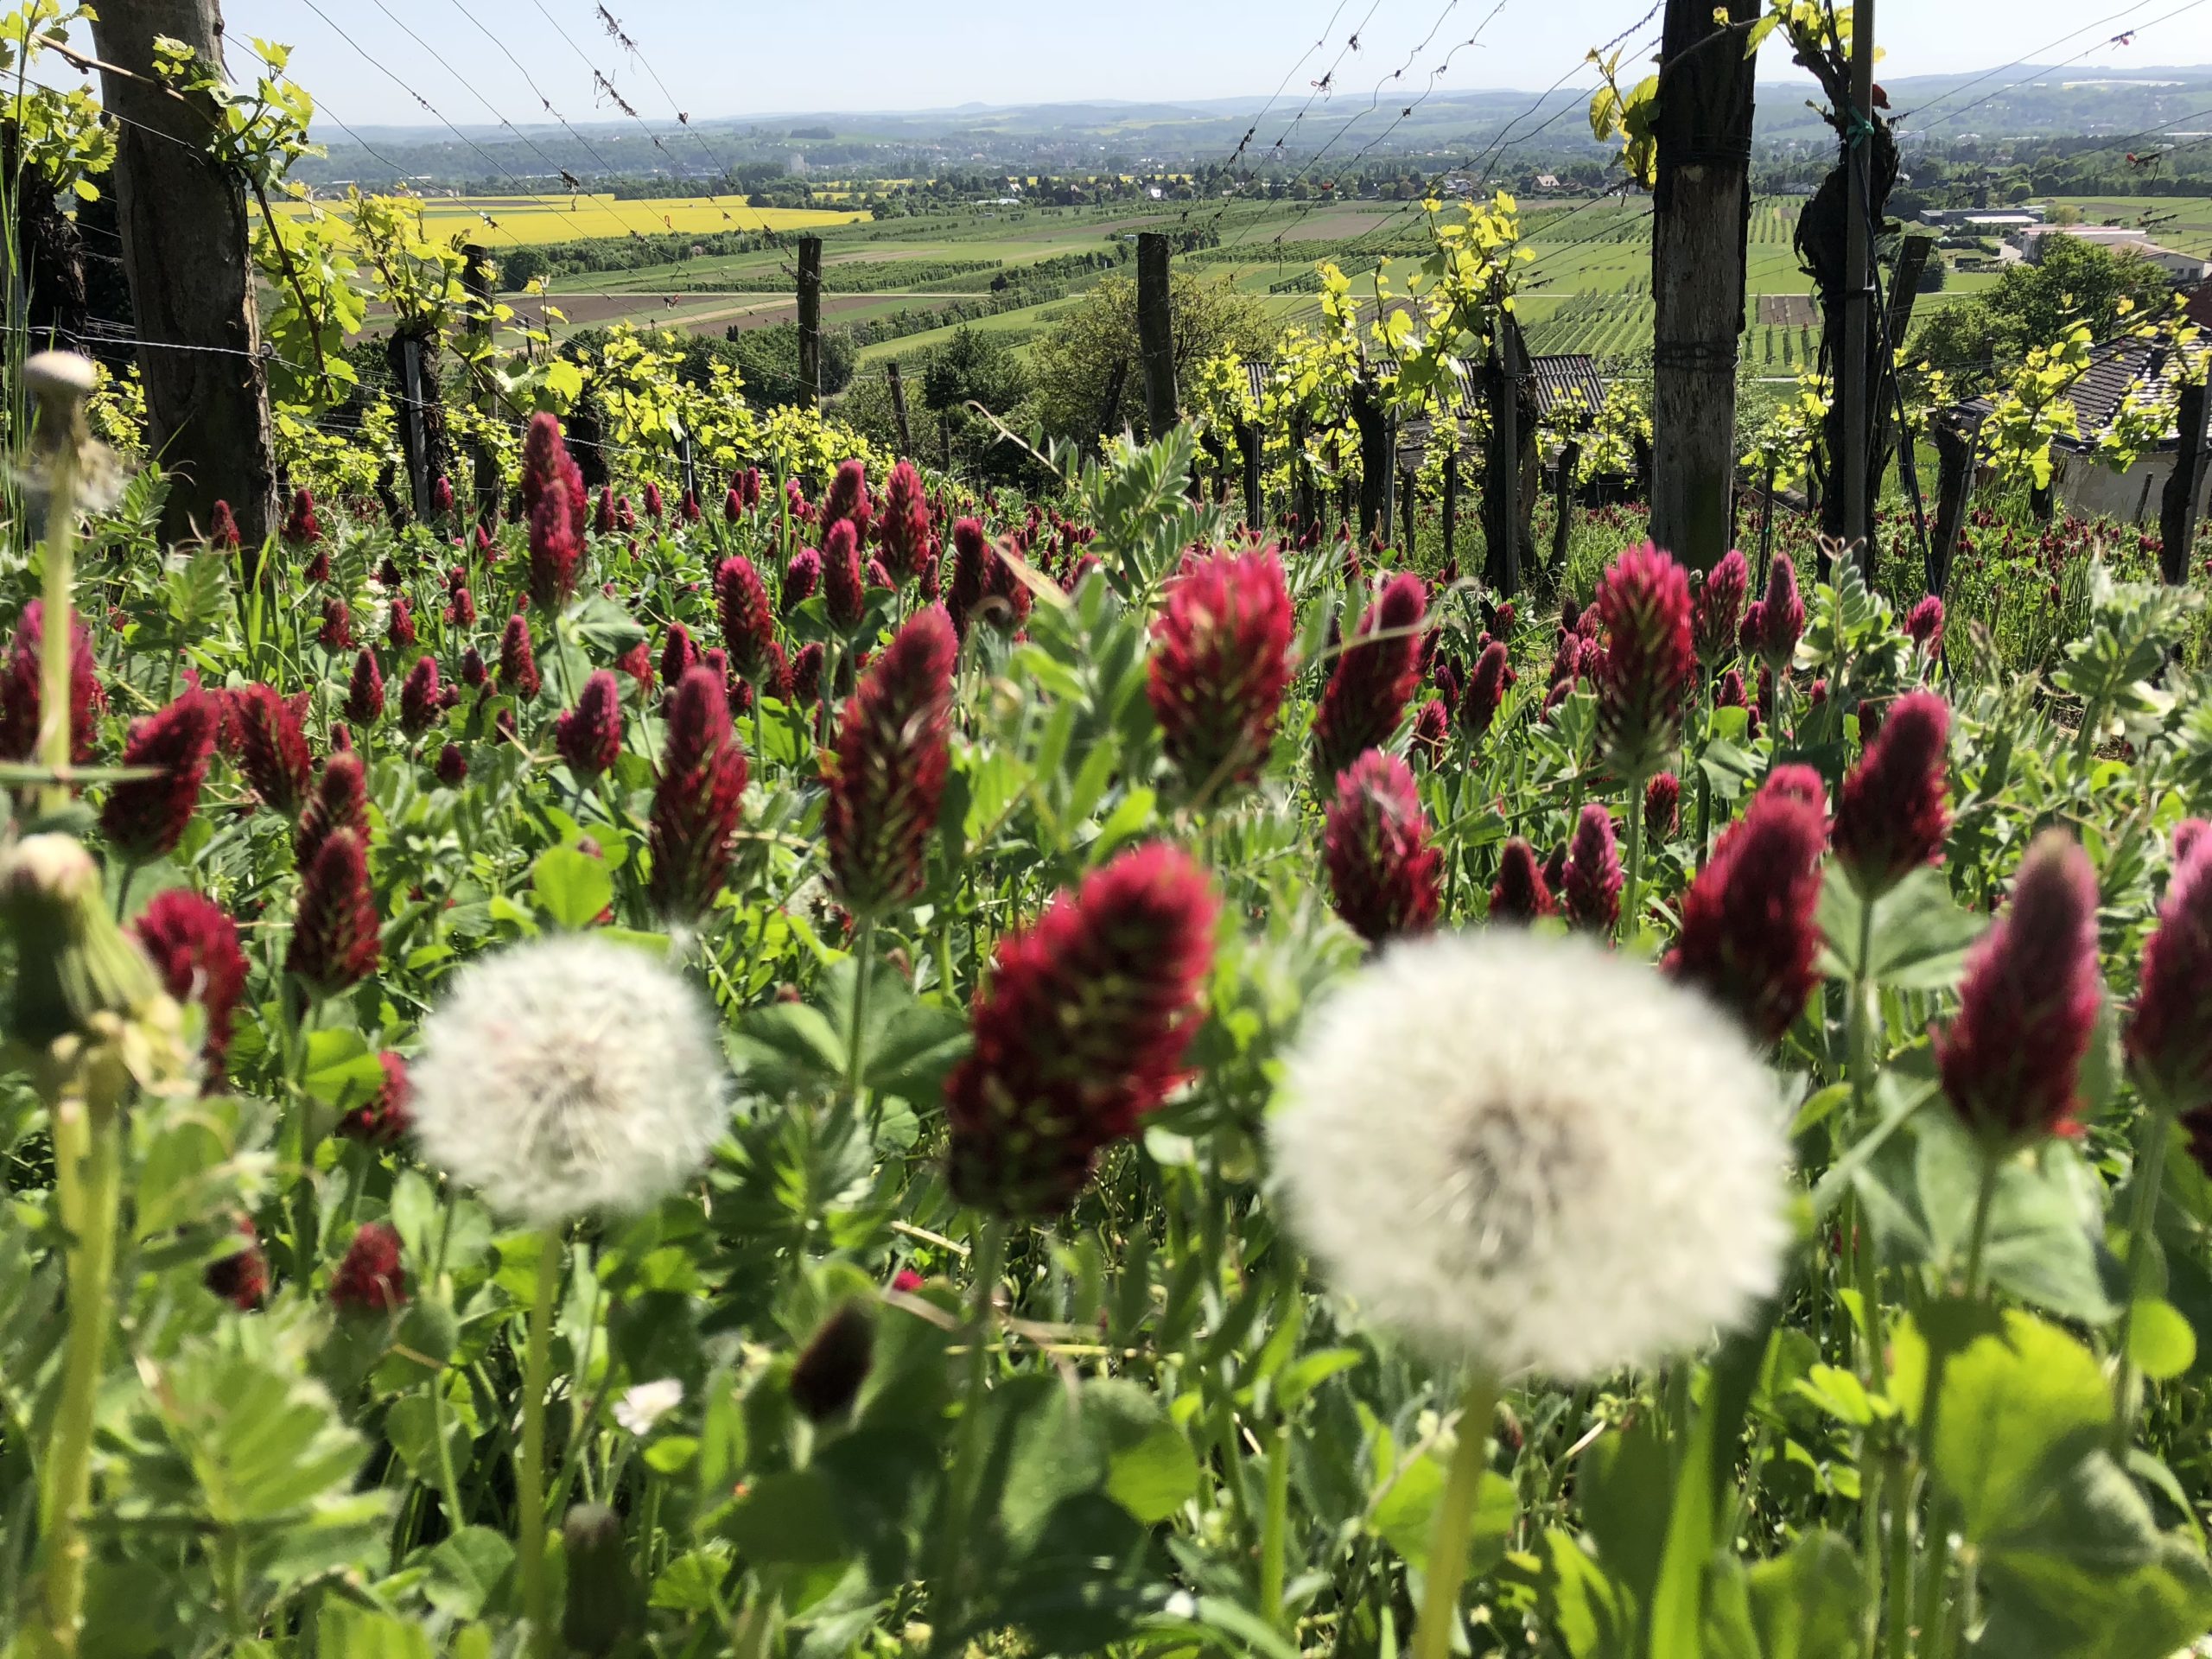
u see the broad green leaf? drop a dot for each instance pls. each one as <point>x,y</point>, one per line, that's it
<point>573,887</point>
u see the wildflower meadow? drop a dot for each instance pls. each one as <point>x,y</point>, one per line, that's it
<point>864,1067</point>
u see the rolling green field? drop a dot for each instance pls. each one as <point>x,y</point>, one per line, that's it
<point>1588,288</point>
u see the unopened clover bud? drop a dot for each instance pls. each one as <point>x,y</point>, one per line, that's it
<point>602,1593</point>
<point>827,1376</point>
<point>72,962</point>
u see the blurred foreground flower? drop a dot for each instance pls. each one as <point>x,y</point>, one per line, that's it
<point>1589,1176</point>
<point>566,1076</point>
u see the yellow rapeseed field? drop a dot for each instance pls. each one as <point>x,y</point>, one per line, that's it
<point>517,221</point>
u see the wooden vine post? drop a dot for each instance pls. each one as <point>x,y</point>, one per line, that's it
<point>1700,238</point>
<point>810,319</point>
<point>1156,334</point>
<point>2184,487</point>
<point>183,221</point>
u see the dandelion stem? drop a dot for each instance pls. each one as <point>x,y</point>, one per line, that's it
<point>2142,1222</point>
<point>58,631</point>
<point>1632,904</point>
<point>530,1468</point>
<point>947,1585</point>
<point>87,1156</point>
<point>1455,1519</point>
<point>1276,1526</point>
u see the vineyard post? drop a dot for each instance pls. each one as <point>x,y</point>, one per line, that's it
<point>1374,454</point>
<point>1905,289</point>
<point>1156,332</point>
<point>415,431</point>
<point>899,407</point>
<point>687,459</point>
<point>1766,522</point>
<point>1451,507</point>
<point>1700,226</point>
<point>2178,505</point>
<point>1248,447</point>
<point>1854,374</point>
<point>809,319</point>
<point>476,280</point>
<point>183,224</point>
<point>1570,461</point>
<point>1411,481</point>
<point>1953,482</point>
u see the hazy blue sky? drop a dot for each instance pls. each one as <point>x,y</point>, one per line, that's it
<point>740,57</point>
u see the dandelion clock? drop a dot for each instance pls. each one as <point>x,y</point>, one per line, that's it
<point>566,1078</point>
<point>1534,1156</point>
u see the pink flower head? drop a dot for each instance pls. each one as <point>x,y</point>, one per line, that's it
<point>370,1279</point>
<point>301,527</point>
<point>1718,603</point>
<point>2187,834</point>
<point>365,691</point>
<point>733,506</point>
<point>1663,806</point>
<point>341,802</point>
<point>905,522</point>
<point>656,509</point>
<point>1782,615</point>
<point>1924,623</point>
<point>1895,809</point>
<point>678,657</point>
<point>242,1277</point>
<point>603,519</point>
<point>519,674</point>
<point>589,735</point>
<point>222,529</point>
<point>2170,1030</point>
<point>843,588</point>
<point>2011,1058</point>
<point>384,1119</point>
<point>700,800</point>
<point>334,925</point>
<point>847,501</point>
<point>400,634</point>
<point>543,451</point>
<point>1750,938</point>
<point>1081,1031</point>
<point>422,699</point>
<point>474,673</point>
<point>272,749</point>
<point>1375,675</point>
<point>1220,664</point>
<point>146,817</point>
<point>1591,889</point>
<point>451,767</point>
<point>337,631</point>
<point>1519,893</point>
<point>749,486</point>
<point>554,552</point>
<point>801,577</point>
<point>806,674</point>
<point>193,946</point>
<point>1644,602</point>
<point>22,688</point>
<point>1486,687</point>
<point>970,580</point>
<point>690,507</point>
<point>442,495</point>
<point>1383,872</point>
<point>748,626</point>
<point>887,773</point>
<point>1432,730</point>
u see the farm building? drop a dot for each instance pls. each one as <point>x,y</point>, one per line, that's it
<point>2083,485</point>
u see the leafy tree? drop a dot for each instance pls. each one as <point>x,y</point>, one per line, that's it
<point>2033,306</point>
<point>1082,359</point>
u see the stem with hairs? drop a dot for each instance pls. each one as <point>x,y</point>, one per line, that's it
<point>1455,1519</point>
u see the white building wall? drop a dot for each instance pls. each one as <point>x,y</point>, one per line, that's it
<point>2091,491</point>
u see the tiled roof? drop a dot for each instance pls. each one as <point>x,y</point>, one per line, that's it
<point>2116,368</point>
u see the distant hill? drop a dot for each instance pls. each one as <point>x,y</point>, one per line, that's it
<point>2021,102</point>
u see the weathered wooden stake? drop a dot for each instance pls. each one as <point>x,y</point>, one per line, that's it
<point>1570,461</point>
<point>1156,332</point>
<point>184,220</point>
<point>414,433</point>
<point>809,319</point>
<point>899,408</point>
<point>2178,505</point>
<point>1954,485</point>
<point>1700,227</point>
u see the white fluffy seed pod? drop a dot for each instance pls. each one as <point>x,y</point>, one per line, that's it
<point>1532,1154</point>
<point>568,1076</point>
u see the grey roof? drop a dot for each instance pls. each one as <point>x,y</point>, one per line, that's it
<point>2116,368</point>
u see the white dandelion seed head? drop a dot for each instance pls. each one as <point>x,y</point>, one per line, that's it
<point>570,1076</point>
<point>645,1404</point>
<point>1530,1152</point>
